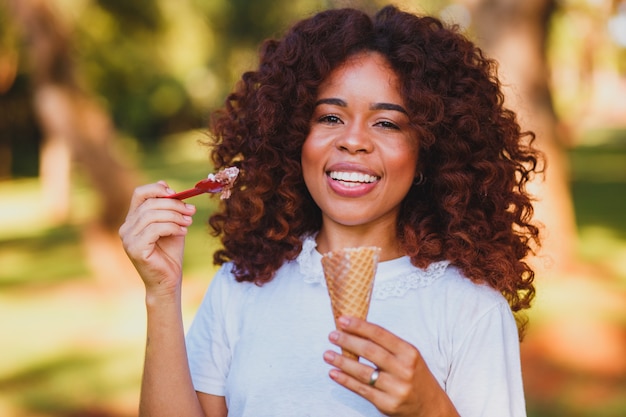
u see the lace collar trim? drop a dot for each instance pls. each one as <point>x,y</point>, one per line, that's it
<point>393,278</point>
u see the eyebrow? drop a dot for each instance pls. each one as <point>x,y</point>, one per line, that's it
<point>388,106</point>
<point>374,106</point>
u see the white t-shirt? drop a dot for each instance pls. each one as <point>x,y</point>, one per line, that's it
<point>262,347</point>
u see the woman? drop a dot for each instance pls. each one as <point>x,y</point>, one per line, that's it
<point>353,131</point>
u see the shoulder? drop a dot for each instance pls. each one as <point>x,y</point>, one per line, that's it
<point>474,308</point>
<point>224,287</point>
<point>455,302</point>
<point>224,278</point>
<point>468,301</point>
<point>458,287</point>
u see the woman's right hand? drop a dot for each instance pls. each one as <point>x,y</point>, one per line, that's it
<point>153,236</point>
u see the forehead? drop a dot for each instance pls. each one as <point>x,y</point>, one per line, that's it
<point>367,72</point>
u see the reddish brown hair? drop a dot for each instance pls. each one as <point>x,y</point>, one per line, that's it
<point>472,210</point>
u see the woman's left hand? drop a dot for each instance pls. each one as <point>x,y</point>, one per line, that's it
<point>405,386</point>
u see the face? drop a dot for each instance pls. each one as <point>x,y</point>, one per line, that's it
<point>359,159</point>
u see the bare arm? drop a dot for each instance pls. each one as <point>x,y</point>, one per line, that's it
<point>153,236</point>
<point>213,405</point>
<point>166,388</point>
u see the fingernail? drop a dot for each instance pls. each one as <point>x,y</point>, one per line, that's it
<point>334,336</point>
<point>344,321</point>
<point>190,206</point>
<point>187,218</point>
<point>329,356</point>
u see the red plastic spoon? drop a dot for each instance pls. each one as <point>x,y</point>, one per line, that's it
<point>215,183</point>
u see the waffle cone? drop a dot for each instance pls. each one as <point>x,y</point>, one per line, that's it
<point>349,277</point>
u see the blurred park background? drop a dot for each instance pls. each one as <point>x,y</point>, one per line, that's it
<point>99,96</point>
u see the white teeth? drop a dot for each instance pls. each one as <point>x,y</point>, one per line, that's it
<point>353,177</point>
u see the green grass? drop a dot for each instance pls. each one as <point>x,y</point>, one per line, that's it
<point>24,259</point>
<point>73,345</point>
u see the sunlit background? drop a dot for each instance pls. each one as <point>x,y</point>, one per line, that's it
<point>99,96</point>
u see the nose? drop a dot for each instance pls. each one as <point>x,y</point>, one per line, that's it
<point>355,140</point>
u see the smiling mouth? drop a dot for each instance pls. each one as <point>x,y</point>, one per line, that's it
<point>352,179</point>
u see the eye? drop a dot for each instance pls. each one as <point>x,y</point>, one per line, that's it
<point>330,119</point>
<point>385,124</point>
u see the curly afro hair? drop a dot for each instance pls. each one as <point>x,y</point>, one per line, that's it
<point>473,209</point>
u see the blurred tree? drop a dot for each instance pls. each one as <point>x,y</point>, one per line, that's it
<point>123,55</point>
<point>588,52</point>
<point>516,34</point>
<point>74,124</point>
<point>239,26</point>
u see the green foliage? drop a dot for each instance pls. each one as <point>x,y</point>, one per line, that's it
<point>120,58</point>
<point>136,14</point>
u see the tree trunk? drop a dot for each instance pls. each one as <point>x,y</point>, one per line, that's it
<point>515,34</point>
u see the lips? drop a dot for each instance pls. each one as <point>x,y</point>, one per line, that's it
<point>351,180</point>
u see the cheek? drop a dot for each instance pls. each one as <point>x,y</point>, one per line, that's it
<point>309,159</point>
<point>404,163</point>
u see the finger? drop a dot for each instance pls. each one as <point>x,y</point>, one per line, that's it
<point>359,371</point>
<point>362,347</point>
<point>142,218</point>
<point>162,212</point>
<point>155,210</point>
<point>380,346</point>
<point>144,192</point>
<point>141,246</point>
<point>387,393</point>
<point>140,196</point>
<point>385,401</point>
<point>375,333</point>
<point>153,203</point>
<point>359,384</point>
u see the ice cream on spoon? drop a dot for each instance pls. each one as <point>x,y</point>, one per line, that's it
<point>220,182</point>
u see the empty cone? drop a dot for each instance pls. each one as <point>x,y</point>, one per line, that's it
<point>349,277</point>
